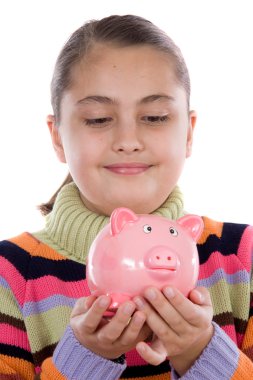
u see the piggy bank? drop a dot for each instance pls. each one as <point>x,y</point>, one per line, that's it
<point>134,251</point>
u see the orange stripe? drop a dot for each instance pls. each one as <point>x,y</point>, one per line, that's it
<point>244,370</point>
<point>49,371</point>
<point>12,366</point>
<point>248,338</point>
<point>164,376</point>
<point>35,247</point>
<point>210,228</point>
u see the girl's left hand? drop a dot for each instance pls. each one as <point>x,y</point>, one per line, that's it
<point>182,326</point>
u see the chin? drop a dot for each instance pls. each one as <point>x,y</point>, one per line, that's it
<point>138,208</point>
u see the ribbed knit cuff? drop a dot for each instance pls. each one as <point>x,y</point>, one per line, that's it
<point>218,360</point>
<point>76,362</point>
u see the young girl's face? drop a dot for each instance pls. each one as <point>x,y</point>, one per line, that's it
<point>125,129</point>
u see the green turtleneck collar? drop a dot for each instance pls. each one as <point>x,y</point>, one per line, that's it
<point>71,228</point>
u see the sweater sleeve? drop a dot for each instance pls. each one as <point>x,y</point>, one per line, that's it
<point>16,361</point>
<point>221,359</point>
<point>70,359</point>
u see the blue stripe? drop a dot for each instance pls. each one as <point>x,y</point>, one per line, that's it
<point>242,276</point>
<point>52,302</point>
<point>4,283</point>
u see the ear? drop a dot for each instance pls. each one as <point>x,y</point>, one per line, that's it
<point>193,224</point>
<point>56,138</point>
<point>121,216</point>
<point>191,126</point>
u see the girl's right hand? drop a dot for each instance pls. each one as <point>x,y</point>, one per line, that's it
<point>108,338</point>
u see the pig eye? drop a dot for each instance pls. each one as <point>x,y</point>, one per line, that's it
<point>173,231</point>
<point>147,229</point>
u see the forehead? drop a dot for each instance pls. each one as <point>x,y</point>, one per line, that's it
<point>111,52</point>
<point>138,71</point>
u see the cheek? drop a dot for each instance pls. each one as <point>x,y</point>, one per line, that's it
<point>178,149</point>
<point>172,153</point>
<point>171,143</point>
<point>79,153</point>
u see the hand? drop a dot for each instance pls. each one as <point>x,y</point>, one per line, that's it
<point>108,338</point>
<point>182,326</point>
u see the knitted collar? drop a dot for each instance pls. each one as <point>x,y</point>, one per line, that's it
<point>70,228</point>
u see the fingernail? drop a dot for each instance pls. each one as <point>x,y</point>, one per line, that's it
<point>142,347</point>
<point>200,296</point>
<point>128,309</point>
<point>169,292</point>
<point>103,302</point>
<point>138,319</point>
<point>139,302</point>
<point>151,294</point>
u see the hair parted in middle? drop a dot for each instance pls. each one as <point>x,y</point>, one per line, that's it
<point>121,31</point>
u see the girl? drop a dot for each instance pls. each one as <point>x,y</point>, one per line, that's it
<point>120,95</point>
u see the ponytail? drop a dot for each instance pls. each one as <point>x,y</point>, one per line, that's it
<point>46,208</point>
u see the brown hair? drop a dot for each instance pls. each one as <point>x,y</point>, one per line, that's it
<point>122,31</point>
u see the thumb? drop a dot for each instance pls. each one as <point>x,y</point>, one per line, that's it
<point>200,296</point>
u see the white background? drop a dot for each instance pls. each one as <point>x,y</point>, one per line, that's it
<point>216,38</point>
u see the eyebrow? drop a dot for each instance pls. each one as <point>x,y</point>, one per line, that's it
<point>106,100</point>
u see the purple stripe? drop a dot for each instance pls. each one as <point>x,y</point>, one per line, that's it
<point>4,283</point>
<point>239,277</point>
<point>75,361</point>
<point>219,360</point>
<point>52,302</point>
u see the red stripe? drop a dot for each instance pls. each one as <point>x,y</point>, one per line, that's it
<point>230,265</point>
<point>14,278</point>
<point>246,245</point>
<point>48,286</point>
<point>13,336</point>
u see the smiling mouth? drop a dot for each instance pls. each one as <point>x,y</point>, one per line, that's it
<point>128,169</point>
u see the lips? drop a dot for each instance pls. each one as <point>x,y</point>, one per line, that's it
<point>128,168</point>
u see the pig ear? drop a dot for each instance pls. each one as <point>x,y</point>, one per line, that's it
<point>193,224</point>
<point>121,216</point>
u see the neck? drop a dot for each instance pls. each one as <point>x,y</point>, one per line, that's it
<point>71,227</point>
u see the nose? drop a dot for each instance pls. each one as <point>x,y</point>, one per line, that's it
<point>127,138</point>
<point>161,257</point>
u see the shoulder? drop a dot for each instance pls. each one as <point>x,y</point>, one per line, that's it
<point>224,230</point>
<point>14,266</point>
<point>13,250</point>
<point>23,252</point>
<point>24,261</point>
<point>227,239</point>
<point>27,246</point>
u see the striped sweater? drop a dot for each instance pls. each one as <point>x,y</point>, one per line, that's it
<point>40,280</point>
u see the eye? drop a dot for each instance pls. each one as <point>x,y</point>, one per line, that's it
<point>98,122</point>
<point>147,229</point>
<point>155,119</point>
<point>173,231</point>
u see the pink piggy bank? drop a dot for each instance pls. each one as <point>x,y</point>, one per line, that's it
<point>134,251</point>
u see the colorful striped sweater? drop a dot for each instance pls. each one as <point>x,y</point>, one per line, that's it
<point>43,274</point>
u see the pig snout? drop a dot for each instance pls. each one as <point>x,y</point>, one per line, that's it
<point>160,257</point>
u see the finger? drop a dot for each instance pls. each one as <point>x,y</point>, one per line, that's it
<point>149,355</point>
<point>194,314</point>
<point>175,318</point>
<point>155,321</point>
<point>111,331</point>
<point>92,318</point>
<point>134,330</point>
<point>179,313</point>
<point>200,296</point>
<point>82,305</point>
